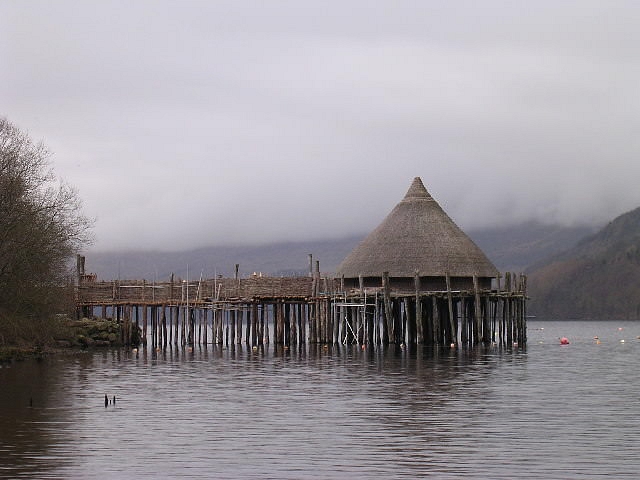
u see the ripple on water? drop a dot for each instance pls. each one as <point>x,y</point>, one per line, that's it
<point>548,412</point>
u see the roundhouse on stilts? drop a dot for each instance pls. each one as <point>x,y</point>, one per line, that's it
<point>417,278</point>
<point>435,283</point>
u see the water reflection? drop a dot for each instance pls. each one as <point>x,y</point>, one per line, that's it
<point>330,412</point>
<point>31,407</point>
<point>44,404</point>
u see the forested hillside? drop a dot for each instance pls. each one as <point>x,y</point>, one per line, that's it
<point>597,279</point>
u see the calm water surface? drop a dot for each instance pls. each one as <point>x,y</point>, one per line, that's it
<point>551,411</point>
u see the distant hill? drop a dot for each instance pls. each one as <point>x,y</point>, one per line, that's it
<point>278,259</point>
<point>573,272</point>
<point>517,247</point>
<point>599,278</point>
<point>509,248</point>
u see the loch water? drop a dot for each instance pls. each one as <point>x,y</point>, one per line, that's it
<point>544,411</point>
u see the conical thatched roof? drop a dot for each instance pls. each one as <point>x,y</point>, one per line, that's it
<point>417,235</point>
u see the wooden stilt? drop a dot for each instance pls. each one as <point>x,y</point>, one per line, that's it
<point>388,309</point>
<point>239,324</point>
<point>452,320</point>
<point>435,315</point>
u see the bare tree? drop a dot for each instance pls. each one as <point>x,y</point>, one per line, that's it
<point>41,227</point>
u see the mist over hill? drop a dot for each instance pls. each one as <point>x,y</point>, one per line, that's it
<point>509,248</point>
<point>573,272</point>
<point>277,259</point>
<point>599,278</point>
<point>517,247</point>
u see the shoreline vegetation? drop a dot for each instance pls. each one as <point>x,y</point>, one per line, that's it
<point>42,226</point>
<point>60,335</point>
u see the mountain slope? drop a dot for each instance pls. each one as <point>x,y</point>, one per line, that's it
<point>597,279</point>
<point>516,247</point>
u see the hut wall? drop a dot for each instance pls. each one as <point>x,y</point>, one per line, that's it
<point>427,284</point>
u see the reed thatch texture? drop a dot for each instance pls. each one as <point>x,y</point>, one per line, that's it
<point>417,236</point>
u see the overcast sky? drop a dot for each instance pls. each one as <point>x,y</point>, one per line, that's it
<point>193,123</point>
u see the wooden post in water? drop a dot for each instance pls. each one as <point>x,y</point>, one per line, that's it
<point>410,314</point>
<point>317,306</point>
<point>275,309</point>
<point>240,318</point>
<point>304,323</point>
<point>247,333</point>
<point>435,316</point>
<point>126,324</point>
<point>304,313</point>
<point>144,316</point>
<point>158,309</point>
<point>494,323</point>
<point>158,324</point>
<point>321,325</point>
<point>418,309</point>
<point>507,308</point>
<point>524,309</point>
<point>464,321</point>
<point>328,328</point>
<point>183,331</point>
<point>266,322</point>
<point>293,310</point>
<point>205,313</point>
<point>164,325</point>
<point>144,324</point>
<point>232,317</point>
<point>217,323</point>
<point>329,317</point>
<point>388,308</point>
<point>170,324</point>
<point>348,329</point>
<point>396,309</point>
<point>486,324</point>
<point>377,332</point>
<point>452,320</point>
<point>278,326</point>
<point>153,325</point>
<point>192,324</point>
<point>175,323</point>
<point>312,310</point>
<point>369,316</point>
<point>254,324</point>
<point>260,324</point>
<point>136,314</point>
<point>477,311</point>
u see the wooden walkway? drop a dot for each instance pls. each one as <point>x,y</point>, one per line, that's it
<point>297,310</point>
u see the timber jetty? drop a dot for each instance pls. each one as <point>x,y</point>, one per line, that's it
<point>416,279</point>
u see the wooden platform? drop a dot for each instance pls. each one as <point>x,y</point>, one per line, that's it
<point>292,310</point>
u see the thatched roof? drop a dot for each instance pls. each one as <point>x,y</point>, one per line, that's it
<point>417,235</point>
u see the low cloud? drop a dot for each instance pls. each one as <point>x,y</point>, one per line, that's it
<point>210,123</point>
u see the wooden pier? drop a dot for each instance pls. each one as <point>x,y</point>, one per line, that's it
<point>260,310</point>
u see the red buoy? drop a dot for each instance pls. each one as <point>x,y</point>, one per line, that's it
<point>564,341</point>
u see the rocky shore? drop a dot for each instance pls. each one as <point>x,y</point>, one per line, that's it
<point>69,335</point>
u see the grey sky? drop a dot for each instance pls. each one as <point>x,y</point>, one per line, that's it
<point>191,123</point>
